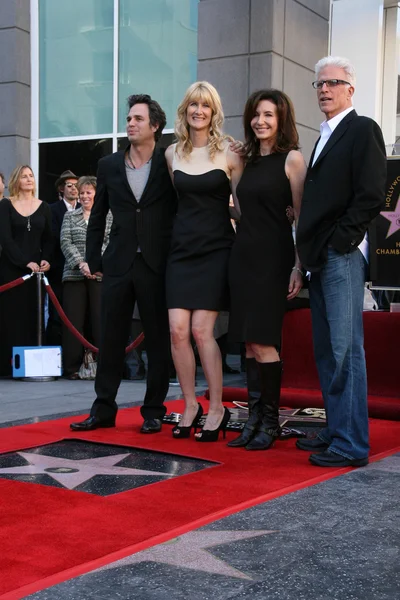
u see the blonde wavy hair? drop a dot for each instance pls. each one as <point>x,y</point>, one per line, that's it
<point>15,178</point>
<point>204,92</point>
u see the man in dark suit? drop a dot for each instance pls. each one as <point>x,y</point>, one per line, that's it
<point>135,185</point>
<point>344,191</point>
<point>68,200</point>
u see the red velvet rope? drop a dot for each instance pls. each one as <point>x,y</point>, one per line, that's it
<point>12,284</point>
<point>67,322</point>
<point>73,329</point>
<point>63,316</point>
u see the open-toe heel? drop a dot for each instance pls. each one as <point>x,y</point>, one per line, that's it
<point>211,435</point>
<point>179,432</point>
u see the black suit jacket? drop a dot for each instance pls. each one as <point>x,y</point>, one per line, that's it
<point>146,224</point>
<point>344,191</point>
<point>58,210</point>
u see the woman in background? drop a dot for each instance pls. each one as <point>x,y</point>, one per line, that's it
<point>26,241</point>
<point>81,293</point>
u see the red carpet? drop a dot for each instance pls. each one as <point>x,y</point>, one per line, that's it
<point>48,535</point>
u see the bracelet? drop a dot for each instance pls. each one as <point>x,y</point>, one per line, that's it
<point>299,270</point>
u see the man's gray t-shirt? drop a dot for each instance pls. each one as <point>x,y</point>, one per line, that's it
<point>137,178</point>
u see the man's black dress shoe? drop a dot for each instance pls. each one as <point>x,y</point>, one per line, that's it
<point>151,426</point>
<point>330,459</point>
<point>312,444</point>
<point>91,423</point>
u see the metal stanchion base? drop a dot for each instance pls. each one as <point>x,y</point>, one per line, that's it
<point>40,378</point>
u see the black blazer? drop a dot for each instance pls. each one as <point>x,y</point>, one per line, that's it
<point>344,191</point>
<point>58,210</point>
<point>146,224</point>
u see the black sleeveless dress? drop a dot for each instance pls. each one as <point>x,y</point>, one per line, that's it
<point>22,242</point>
<point>202,237</point>
<point>263,256</point>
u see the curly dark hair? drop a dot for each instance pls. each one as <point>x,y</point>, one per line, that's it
<point>156,113</point>
<point>287,137</point>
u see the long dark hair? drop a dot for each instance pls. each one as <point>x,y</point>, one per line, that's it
<point>287,137</point>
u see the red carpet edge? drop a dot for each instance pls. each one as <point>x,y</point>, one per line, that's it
<point>49,432</point>
<point>22,592</point>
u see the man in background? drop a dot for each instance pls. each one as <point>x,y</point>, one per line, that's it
<point>68,200</point>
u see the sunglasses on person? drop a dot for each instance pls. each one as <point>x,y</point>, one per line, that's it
<point>330,83</point>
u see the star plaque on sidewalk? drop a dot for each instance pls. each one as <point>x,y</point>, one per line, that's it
<point>94,468</point>
<point>194,551</point>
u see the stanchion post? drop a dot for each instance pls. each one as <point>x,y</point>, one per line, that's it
<point>39,279</point>
<point>39,321</point>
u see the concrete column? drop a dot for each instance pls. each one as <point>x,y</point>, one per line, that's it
<point>245,45</point>
<point>15,119</point>
<point>223,54</point>
<point>358,34</point>
<point>390,73</point>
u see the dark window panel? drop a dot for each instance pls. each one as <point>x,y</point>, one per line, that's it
<point>81,157</point>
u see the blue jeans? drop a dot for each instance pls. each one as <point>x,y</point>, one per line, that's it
<point>336,300</point>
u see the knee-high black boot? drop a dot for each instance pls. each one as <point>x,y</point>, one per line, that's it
<point>253,388</point>
<point>269,430</point>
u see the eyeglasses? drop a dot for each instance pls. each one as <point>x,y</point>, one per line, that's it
<point>71,185</point>
<point>330,83</point>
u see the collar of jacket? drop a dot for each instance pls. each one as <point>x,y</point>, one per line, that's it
<point>334,138</point>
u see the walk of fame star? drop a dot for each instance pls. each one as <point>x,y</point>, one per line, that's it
<point>72,473</point>
<point>394,218</point>
<point>189,551</point>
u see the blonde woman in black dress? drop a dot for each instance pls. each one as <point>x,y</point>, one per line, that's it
<point>205,172</point>
<point>264,270</point>
<point>27,243</point>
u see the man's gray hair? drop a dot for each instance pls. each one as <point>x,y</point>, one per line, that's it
<point>341,63</point>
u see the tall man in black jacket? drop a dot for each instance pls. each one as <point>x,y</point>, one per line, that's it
<point>344,191</point>
<point>135,185</point>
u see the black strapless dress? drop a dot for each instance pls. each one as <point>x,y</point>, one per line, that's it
<point>202,238</point>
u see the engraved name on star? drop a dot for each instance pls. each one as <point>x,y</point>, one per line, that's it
<point>190,551</point>
<point>394,218</point>
<point>72,473</point>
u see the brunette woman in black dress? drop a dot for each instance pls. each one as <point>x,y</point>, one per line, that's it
<point>264,268</point>
<point>26,240</point>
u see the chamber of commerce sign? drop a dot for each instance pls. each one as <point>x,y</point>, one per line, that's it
<point>384,235</point>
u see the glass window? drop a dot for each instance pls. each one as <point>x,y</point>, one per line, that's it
<point>76,67</point>
<point>157,52</point>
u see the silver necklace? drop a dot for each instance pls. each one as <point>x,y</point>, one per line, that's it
<point>28,225</point>
<point>130,161</point>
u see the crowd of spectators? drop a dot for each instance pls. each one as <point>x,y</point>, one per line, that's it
<point>47,237</point>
